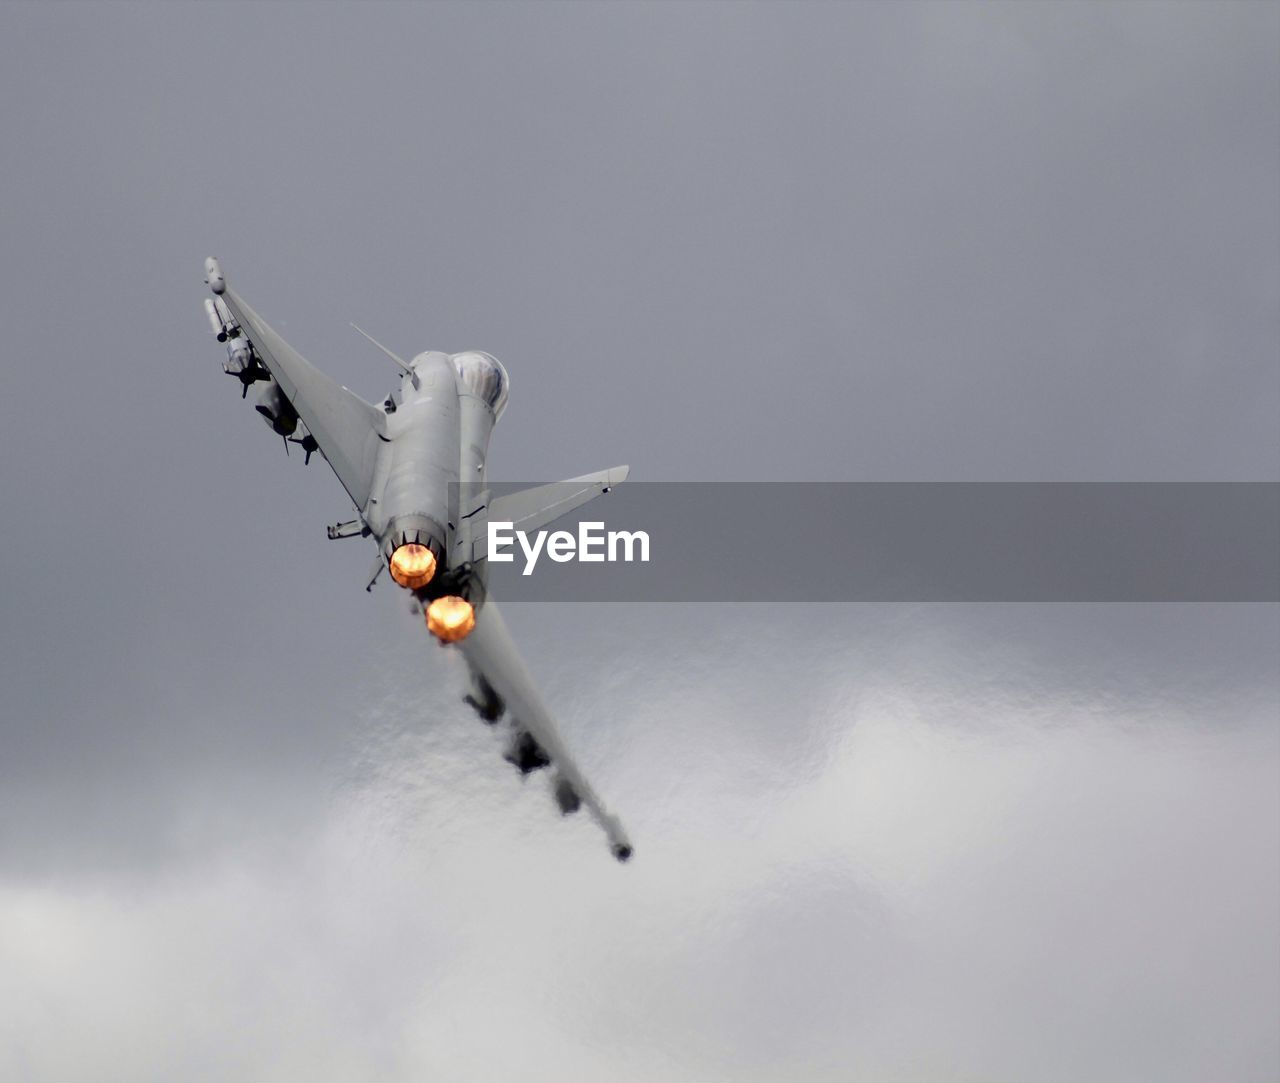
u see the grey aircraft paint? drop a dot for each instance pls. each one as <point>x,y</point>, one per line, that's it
<point>403,467</point>
<point>247,829</point>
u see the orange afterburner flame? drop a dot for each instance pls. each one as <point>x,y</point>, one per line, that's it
<point>450,618</point>
<point>413,566</point>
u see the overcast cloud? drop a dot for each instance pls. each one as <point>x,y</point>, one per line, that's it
<point>247,829</point>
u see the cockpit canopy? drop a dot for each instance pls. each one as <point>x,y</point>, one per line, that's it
<point>483,375</point>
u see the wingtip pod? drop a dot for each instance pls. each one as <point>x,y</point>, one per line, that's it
<point>619,845</point>
<point>213,275</point>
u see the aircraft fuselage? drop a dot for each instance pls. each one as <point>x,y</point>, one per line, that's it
<point>436,436</point>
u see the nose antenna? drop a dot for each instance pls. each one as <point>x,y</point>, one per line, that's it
<point>398,360</point>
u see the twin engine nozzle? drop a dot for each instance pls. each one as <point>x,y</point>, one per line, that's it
<point>413,552</point>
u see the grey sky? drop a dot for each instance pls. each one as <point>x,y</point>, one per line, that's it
<point>246,829</point>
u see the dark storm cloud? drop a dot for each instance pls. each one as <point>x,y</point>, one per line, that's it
<point>747,242</point>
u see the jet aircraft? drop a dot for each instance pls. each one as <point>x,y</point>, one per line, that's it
<point>399,463</point>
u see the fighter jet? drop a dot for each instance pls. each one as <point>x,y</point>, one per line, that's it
<point>414,467</point>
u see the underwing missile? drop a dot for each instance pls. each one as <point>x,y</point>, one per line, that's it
<point>215,320</point>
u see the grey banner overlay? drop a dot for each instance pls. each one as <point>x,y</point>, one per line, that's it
<point>921,542</point>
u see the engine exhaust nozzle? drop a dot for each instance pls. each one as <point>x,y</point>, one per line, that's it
<point>451,618</point>
<point>413,565</point>
<point>413,548</point>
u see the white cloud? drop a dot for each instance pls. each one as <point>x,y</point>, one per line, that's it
<point>945,891</point>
